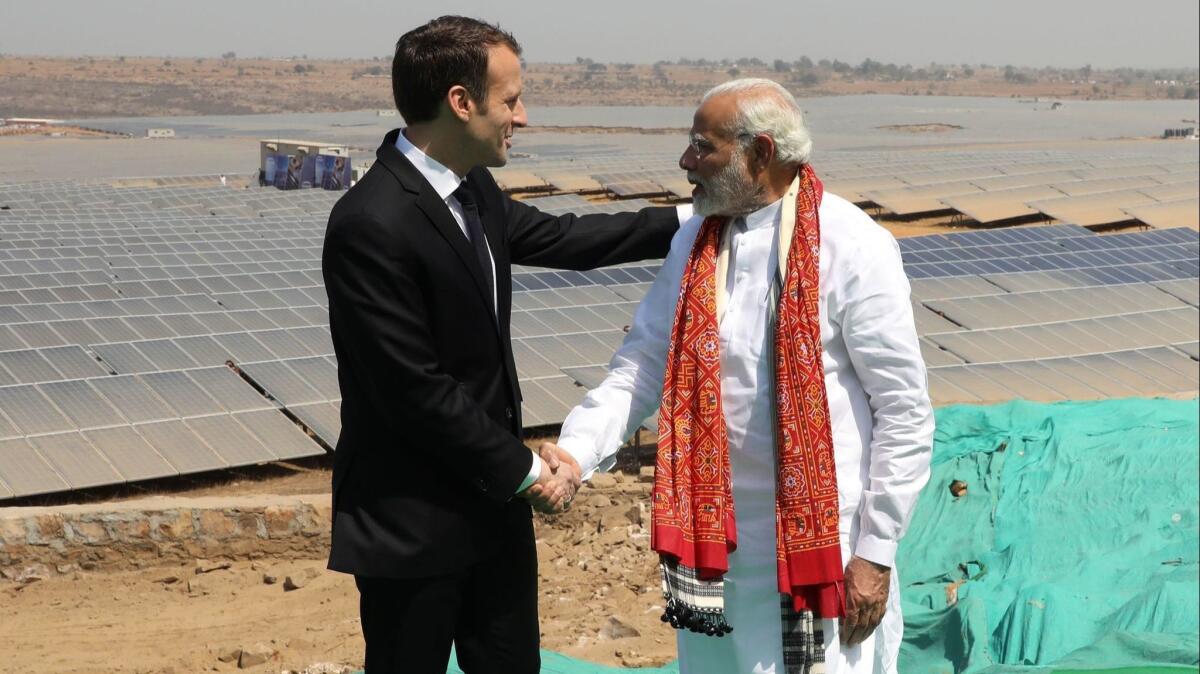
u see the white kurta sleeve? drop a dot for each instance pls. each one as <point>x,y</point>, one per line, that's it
<point>611,412</point>
<point>881,338</point>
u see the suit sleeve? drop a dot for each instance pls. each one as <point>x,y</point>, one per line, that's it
<point>587,241</point>
<point>377,307</point>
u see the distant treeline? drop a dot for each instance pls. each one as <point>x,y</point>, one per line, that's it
<point>804,72</point>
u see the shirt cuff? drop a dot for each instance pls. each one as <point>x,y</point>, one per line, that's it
<point>583,455</point>
<point>875,549</point>
<point>534,472</point>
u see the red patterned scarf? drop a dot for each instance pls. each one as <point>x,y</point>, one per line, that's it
<point>693,527</point>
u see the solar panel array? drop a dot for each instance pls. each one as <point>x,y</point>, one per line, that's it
<point>993,187</point>
<point>1084,316</point>
<point>1067,323</point>
<point>163,329</point>
<point>167,327</point>
<point>119,311</point>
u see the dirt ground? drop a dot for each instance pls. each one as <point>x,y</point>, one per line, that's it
<point>599,598</point>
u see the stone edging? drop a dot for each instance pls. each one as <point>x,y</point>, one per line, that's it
<point>36,542</point>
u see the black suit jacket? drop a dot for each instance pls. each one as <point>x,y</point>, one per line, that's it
<point>430,453</point>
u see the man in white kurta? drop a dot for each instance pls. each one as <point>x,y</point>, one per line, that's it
<point>880,416</point>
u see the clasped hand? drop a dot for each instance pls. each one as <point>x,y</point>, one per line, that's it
<point>559,480</point>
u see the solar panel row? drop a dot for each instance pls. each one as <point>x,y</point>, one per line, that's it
<point>120,306</point>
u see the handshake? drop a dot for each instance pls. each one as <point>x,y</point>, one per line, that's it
<point>558,482</point>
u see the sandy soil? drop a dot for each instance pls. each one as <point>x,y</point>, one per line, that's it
<point>599,595</point>
<point>129,87</point>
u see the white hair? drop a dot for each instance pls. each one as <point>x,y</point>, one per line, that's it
<point>768,109</point>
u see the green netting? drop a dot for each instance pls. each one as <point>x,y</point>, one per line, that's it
<point>1076,545</point>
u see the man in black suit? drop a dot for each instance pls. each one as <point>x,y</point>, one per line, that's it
<point>432,484</point>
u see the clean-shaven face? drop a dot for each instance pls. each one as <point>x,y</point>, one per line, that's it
<point>492,123</point>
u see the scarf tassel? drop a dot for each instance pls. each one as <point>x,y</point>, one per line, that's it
<point>684,617</point>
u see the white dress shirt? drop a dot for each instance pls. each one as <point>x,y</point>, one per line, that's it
<point>444,181</point>
<point>880,415</point>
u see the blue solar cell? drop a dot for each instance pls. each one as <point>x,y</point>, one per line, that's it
<point>917,271</point>
<point>552,279</point>
<point>1043,262</point>
<point>1188,268</point>
<point>596,277</point>
<point>643,274</point>
<point>574,278</point>
<point>954,269</point>
<point>620,276</point>
<point>530,281</point>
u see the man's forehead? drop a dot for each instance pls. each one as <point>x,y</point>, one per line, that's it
<point>714,117</point>
<point>504,67</point>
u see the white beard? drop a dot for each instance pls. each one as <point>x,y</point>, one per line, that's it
<point>731,192</point>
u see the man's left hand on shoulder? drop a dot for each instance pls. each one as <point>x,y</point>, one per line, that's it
<point>867,586</point>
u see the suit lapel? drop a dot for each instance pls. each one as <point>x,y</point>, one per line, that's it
<point>435,209</point>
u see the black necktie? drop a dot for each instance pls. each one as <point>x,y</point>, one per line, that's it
<point>478,240</point>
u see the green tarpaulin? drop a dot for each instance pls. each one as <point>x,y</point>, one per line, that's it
<point>1076,544</point>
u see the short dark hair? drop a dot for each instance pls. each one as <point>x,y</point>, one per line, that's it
<point>432,58</point>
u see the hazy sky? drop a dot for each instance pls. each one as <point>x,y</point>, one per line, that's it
<point>1104,33</point>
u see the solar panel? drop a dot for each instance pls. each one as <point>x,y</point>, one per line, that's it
<point>76,460</point>
<point>181,393</point>
<point>37,334</point>
<point>185,325</point>
<point>529,363</point>
<point>180,446</point>
<point>82,404</point>
<point>322,418</point>
<point>1186,290</point>
<point>70,248</point>
<point>319,374</point>
<point>540,406</point>
<point>28,366</point>
<point>243,347</point>
<point>30,411</point>
<point>124,358</point>
<point>282,383</point>
<point>203,350</point>
<point>230,440</point>
<point>316,339</point>
<point>165,354</point>
<point>1092,209</point>
<point>25,472</point>
<point>228,389</point>
<point>129,453</point>
<point>136,401</point>
<point>277,432</point>
<point>1176,213</point>
<point>281,344</point>
<point>1053,305</point>
<point>556,351</point>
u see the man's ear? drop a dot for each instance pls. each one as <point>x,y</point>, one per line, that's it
<point>763,152</point>
<point>460,102</point>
